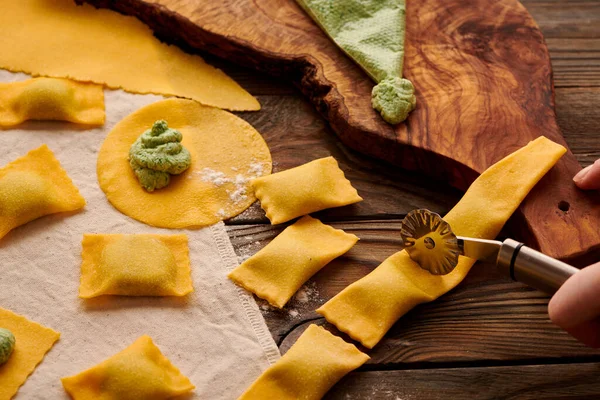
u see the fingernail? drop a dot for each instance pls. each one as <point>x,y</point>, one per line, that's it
<point>581,174</point>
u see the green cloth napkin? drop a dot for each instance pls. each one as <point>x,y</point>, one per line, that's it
<point>371,32</point>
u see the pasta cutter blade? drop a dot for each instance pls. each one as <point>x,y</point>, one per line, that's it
<point>430,242</point>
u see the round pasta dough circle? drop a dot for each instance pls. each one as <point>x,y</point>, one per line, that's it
<point>227,153</point>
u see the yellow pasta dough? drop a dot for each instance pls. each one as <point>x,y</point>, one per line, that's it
<point>311,187</point>
<point>33,341</point>
<point>277,271</point>
<point>33,186</point>
<point>61,39</point>
<point>135,265</point>
<point>51,99</point>
<point>309,369</point>
<point>368,308</point>
<point>139,372</point>
<point>226,154</point>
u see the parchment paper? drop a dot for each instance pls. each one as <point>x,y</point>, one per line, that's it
<point>216,336</point>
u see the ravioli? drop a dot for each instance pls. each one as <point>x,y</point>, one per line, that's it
<point>140,371</point>
<point>135,265</point>
<point>51,99</point>
<point>369,307</point>
<point>277,271</point>
<point>226,152</point>
<point>309,369</point>
<point>33,186</point>
<point>311,187</point>
<point>32,343</point>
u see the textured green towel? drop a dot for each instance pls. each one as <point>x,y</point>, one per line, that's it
<point>371,32</point>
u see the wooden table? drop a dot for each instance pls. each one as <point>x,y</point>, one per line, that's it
<point>489,338</point>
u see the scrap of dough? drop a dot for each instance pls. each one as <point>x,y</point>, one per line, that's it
<point>369,307</point>
<point>140,371</point>
<point>135,265</point>
<point>60,39</point>
<point>51,99</point>
<point>226,154</point>
<point>311,187</point>
<point>277,271</point>
<point>309,369</point>
<point>33,186</point>
<point>33,341</point>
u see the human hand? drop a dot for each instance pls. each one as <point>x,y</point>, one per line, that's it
<point>589,177</point>
<point>575,307</point>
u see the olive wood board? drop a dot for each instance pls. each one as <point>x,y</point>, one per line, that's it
<point>483,83</point>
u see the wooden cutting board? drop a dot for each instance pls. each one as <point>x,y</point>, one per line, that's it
<point>483,83</point>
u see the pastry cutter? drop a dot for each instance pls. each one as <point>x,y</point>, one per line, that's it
<point>430,242</point>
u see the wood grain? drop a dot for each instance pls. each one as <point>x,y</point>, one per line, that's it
<point>486,318</point>
<point>530,382</point>
<point>483,80</point>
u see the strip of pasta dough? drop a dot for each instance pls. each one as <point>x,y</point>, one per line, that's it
<point>32,343</point>
<point>368,308</point>
<point>277,271</point>
<point>61,39</point>
<point>309,369</point>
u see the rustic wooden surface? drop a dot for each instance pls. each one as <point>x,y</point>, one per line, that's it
<point>482,77</point>
<point>490,338</point>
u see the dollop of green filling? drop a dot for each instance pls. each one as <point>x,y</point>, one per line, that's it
<point>7,344</point>
<point>157,154</point>
<point>394,98</point>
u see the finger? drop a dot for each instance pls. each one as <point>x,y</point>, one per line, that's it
<point>587,333</point>
<point>578,300</point>
<point>589,177</point>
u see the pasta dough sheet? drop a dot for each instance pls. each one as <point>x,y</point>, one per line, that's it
<point>33,341</point>
<point>60,39</point>
<point>33,186</point>
<point>140,371</point>
<point>277,271</point>
<point>311,187</point>
<point>51,99</point>
<point>226,154</point>
<point>309,369</point>
<point>369,307</point>
<point>135,265</point>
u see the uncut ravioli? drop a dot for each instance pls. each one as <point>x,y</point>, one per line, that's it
<point>59,38</point>
<point>135,265</point>
<point>51,99</point>
<point>309,369</point>
<point>311,187</point>
<point>140,371</point>
<point>221,145</point>
<point>33,186</point>
<point>33,341</point>
<point>369,307</point>
<point>277,271</point>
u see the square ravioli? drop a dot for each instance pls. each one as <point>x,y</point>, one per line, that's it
<point>278,270</point>
<point>33,186</point>
<point>140,371</point>
<point>311,187</point>
<point>51,99</point>
<point>135,265</point>
<point>32,342</point>
<point>316,362</point>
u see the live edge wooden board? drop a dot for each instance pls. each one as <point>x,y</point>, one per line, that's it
<point>483,83</point>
